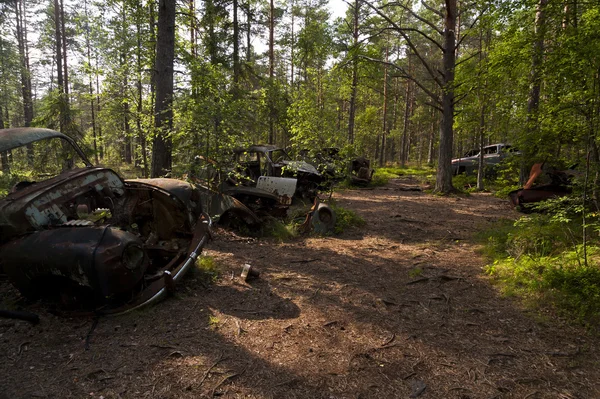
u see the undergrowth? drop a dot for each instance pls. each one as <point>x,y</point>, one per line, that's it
<point>207,269</point>
<point>291,227</point>
<point>345,219</point>
<point>540,259</point>
<point>382,176</point>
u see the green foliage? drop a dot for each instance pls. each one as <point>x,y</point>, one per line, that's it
<point>280,230</point>
<point>539,258</point>
<point>345,219</point>
<point>208,269</point>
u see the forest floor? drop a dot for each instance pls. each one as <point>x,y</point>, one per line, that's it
<point>399,308</point>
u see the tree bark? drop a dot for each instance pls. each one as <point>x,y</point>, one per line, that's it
<point>164,63</point>
<point>443,182</point>
<point>64,51</point>
<point>90,86</point>
<point>535,81</point>
<point>271,72</point>
<point>385,101</point>
<point>140,93</point>
<point>4,154</point>
<point>353,93</point>
<point>407,112</point>
<point>59,60</point>
<point>236,46</point>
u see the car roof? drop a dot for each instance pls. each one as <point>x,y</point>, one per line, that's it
<point>21,136</point>
<point>257,148</point>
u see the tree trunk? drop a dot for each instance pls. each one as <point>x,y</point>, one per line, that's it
<point>236,46</point>
<point>124,92</point>
<point>443,182</point>
<point>271,72</point>
<point>64,51</point>
<point>535,81</point>
<point>407,111</point>
<point>192,6</point>
<point>385,101</point>
<point>91,87</point>
<point>164,63</point>
<point>59,60</point>
<point>140,93</point>
<point>4,154</point>
<point>99,126</point>
<point>248,32</point>
<point>292,48</point>
<point>24,57</point>
<point>352,111</point>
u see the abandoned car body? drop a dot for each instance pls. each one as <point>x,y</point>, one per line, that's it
<point>270,168</point>
<point>91,240</point>
<point>492,155</point>
<point>555,183</point>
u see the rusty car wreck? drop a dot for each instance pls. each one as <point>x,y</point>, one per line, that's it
<point>555,183</point>
<point>92,241</point>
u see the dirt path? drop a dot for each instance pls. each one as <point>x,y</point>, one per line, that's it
<point>397,309</point>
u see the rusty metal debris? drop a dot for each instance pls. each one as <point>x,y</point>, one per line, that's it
<point>249,273</point>
<point>360,171</point>
<point>90,240</point>
<point>320,219</point>
<point>558,184</point>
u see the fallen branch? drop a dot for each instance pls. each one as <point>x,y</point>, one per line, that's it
<point>227,377</point>
<point>207,372</point>
<point>89,334</point>
<point>389,341</point>
<point>305,260</point>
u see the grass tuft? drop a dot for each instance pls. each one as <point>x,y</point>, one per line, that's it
<point>539,259</point>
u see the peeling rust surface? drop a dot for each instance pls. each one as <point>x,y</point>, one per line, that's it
<point>94,242</point>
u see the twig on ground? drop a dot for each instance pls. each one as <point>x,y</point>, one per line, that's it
<point>389,341</point>
<point>89,334</point>
<point>21,347</point>
<point>227,377</point>
<point>207,372</point>
<point>305,260</point>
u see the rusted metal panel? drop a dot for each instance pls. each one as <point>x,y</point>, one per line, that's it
<point>21,136</point>
<point>559,186</point>
<point>104,259</point>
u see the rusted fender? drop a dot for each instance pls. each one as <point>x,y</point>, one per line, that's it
<point>160,288</point>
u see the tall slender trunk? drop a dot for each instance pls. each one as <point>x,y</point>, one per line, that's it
<point>124,89</point>
<point>352,110</point>
<point>271,72</point>
<point>292,47</point>
<point>192,11</point>
<point>236,46</point>
<point>59,61</point>
<point>443,182</point>
<point>25,73</point>
<point>64,51</point>
<point>91,87</point>
<point>163,118</point>
<point>140,93</point>
<point>384,127</point>
<point>24,58</point>
<point>98,108</point>
<point>4,154</point>
<point>430,154</point>
<point>248,32</point>
<point>535,81</point>
<point>407,111</point>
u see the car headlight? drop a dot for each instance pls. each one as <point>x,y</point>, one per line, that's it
<point>133,257</point>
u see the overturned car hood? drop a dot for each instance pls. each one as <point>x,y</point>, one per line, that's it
<point>301,166</point>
